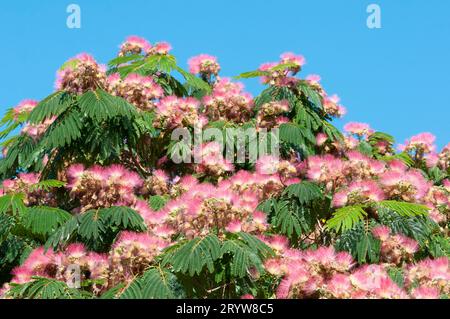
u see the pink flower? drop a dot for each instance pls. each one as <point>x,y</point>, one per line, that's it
<point>422,143</point>
<point>134,45</point>
<point>205,64</point>
<point>381,232</point>
<point>234,226</point>
<point>424,292</point>
<point>25,106</point>
<point>321,138</point>
<point>313,79</point>
<point>359,129</point>
<point>289,57</point>
<point>162,48</point>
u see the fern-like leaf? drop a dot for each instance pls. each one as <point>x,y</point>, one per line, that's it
<point>123,217</point>
<point>42,220</point>
<point>44,288</point>
<point>346,217</point>
<point>304,191</point>
<point>404,208</point>
<point>53,105</point>
<point>155,283</point>
<point>100,106</point>
<point>193,255</point>
<point>12,203</point>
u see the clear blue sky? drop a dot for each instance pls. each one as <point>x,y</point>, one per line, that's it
<point>396,78</point>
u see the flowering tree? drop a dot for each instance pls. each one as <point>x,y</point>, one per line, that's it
<point>94,204</point>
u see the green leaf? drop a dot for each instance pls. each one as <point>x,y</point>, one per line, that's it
<point>418,227</point>
<point>123,217</point>
<point>53,105</point>
<point>397,276</point>
<point>439,246</point>
<point>346,217</point>
<point>44,288</point>
<point>404,157</point>
<point>295,135</point>
<point>124,59</point>
<point>248,252</point>
<point>64,234</point>
<point>155,283</point>
<point>157,202</point>
<point>100,106</point>
<point>290,217</point>
<point>91,225</point>
<point>304,191</point>
<point>365,148</point>
<point>251,74</point>
<point>312,95</point>
<point>6,224</point>
<point>360,243</point>
<point>47,185</point>
<point>13,203</point>
<point>377,136</point>
<point>193,255</point>
<point>113,292</point>
<point>42,220</point>
<point>65,130</point>
<point>404,208</point>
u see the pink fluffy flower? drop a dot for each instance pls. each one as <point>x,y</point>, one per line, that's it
<point>25,106</point>
<point>134,45</point>
<point>420,144</point>
<point>81,74</point>
<point>161,48</point>
<point>229,102</point>
<point>359,129</point>
<point>204,64</point>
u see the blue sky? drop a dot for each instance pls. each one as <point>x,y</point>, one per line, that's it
<point>396,78</point>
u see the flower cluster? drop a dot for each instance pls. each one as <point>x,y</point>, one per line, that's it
<point>395,249</point>
<point>359,129</point>
<point>134,45</point>
<point>358,192</point>
<point>80,75</point>
<point>99,187</point>
<point>24,107</point>
<point>205,65</point>
<point>269,165</point>
<point>431,276</point>
<point>60,266</point>
<point>36,131</point>
<point>282,72</point>
<point>211,161</point>
<point>141,91</point>
<point>396,180</point>
<point>25,183</point>
<point>332,107</point>
<point>444,158</point>
<point>270,114</point>
<point>157,184</point>
<point>419,145</point>
<point>206,208</point>
<point>131,255</point>
<point>403,184</point>
<point>325,273</point>
<point>228,102</point>
<point>173,112</point>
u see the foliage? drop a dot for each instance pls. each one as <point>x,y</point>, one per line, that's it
<point>90,179</point>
